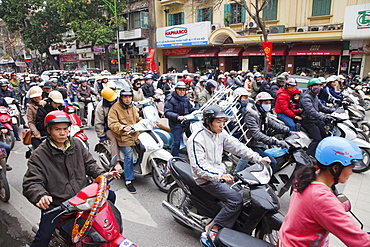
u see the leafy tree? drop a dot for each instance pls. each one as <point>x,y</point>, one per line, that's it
<point>38,22</point>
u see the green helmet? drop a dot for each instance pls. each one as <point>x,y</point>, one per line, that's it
<point>314,81</point>
<point>280,78</point>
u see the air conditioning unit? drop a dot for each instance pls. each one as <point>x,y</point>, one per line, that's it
<point>302,29</point>
<point>214,27</point>
<point>333,27</point>
<point>315,28</point>
<point>143,50</point>
<point>252,24</point>
<point>277,29</point>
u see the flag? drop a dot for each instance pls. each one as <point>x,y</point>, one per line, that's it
<point>151,61</point>
<point>267,48</point>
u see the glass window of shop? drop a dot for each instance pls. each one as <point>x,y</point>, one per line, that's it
<point>277,64</point>
<point>205,63</point>
<point>321,64</point>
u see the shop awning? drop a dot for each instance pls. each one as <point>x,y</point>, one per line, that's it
<point>203,52</point>
<point>277,50</point>
<point>230,52</point>
<point>316,49</point>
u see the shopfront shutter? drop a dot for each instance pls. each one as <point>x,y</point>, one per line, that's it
<point>170,20</point>
<point>321,7</point>
<point>200,15</point>
<point>227,11</point>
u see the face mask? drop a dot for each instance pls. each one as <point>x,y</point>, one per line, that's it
<point>266,108</point>
<point>316,90</point>
<point>244,103</point>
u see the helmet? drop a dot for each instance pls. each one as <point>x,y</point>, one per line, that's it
<point>196,75</point>
<point>221,77</point>
<point>341,77</point>
<point>212,112</point>
<point>180,84</point>
<point>322,79</point>
<point>257,74</point>
<point>188,79</point>
<point>55,117</point>
<point>108,94</point>
<point>262,96</point>
<point>269,75</point>
<point>291,82</point>
<point>82,79</point>
<point>158,91</point>
<point>226,73</point>
<point>35,91</point>
<point>330,79</point>
<point>4,82</point>
<point>280,78</point>
<point>241,91</point>
<point>48,84</point>
<point>147,77</point>
<point>203,78</point>
<point>56,96</point>
<point>169,78</point>
<point>127,91</point>
<point>210,84</point>
<point>55,80</point>
<point>314,81</point>
<point>337,149</point>
<point>285,74</point>
<point>232,73</point>
<point>163,77</point>
<point>111,84</point>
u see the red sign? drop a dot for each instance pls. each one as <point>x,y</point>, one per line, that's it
<point>68,57</point>
<point>127,63</point>
<point>176,51</point>
<point>267,48</point>
<point>152,65</point>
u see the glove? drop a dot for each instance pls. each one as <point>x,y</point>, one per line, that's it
<point>282,144</point>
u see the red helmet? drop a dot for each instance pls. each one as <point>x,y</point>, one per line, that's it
<point>188,79</point>
<point>55,117</point>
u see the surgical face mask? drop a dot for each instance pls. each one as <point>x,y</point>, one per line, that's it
<point>266,108</point>
<point>244,103</point>
<point>316,90</point>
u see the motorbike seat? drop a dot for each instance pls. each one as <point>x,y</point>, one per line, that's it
<point>230,238</point>
<point>163,124</point>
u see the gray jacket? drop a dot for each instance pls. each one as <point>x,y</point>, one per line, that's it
<point>312,107</point>
<point>257,129</point>
<point>101,119</point>
<point>204,97</point>
<point>205,150</point>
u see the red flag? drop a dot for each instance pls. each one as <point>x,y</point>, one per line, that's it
<point>151,62</point>
<point>267,47</point>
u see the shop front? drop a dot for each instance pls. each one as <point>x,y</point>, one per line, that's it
<point>203,59</point>
<point>230,59</point>
<point>176,58</point>
<point>69,61</point>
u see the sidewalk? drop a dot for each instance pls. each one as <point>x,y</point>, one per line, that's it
<point>357,191</point>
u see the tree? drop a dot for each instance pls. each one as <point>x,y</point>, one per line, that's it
<point>38,22</point>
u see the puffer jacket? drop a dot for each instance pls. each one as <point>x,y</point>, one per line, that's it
<point>205,150</point>
<point>138,95</point>
<point>58,174</point>
<point>274,89</point>
<point>85,92</point>
<point>198,89</point>
<point>312,107</point>
<point>120,116</point>
<point>31,117</point>
<point>282,102</point>
<point>204,97</point>
<point>258,129</point>
<point>173,109</point>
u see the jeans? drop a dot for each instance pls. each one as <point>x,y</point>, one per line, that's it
<point>81,105</point>
<point>287,120</point>
<point>243,163</point>
<point>7,149</point>
<point>176,132</point>
<point>73,98</point>
<point>15,130</point>
<point>128,165</point>
<point>46,228</point>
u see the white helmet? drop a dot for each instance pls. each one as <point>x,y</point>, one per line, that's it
<point>203,78</point>
<point>111,84</point>
<point>263,96</point>
<point>322,79</point>
<point>241,91</point>
<point>56,96</point>
<point>35,91</point>
<point>330,79</point>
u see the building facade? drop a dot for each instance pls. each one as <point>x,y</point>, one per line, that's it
<point>307,36</point>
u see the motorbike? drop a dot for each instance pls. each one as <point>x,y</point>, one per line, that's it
<point>149,155</point>
<point>4,185</point>
<point>192,207</point>
<point>89,219</point>
<point>76,128</point>
<point>6,120</point>
<point>90,111</point>
<point>14,111</point>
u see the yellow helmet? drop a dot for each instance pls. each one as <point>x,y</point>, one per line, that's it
<point>108,94</point>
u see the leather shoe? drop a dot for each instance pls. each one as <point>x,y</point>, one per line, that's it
<point>8,167</point>
<point>18,139</point>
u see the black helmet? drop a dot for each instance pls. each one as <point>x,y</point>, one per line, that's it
<point>126,91</point>
<point>210,84</point>
<point>212,112</point>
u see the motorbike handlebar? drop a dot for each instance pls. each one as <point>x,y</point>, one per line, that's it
<point>53,210</point>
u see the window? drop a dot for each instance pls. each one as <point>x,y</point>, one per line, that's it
<point>270,12</point>
<point>205,14</point>
<point>321,7</point>
<point>176,19</point>
<point>135,20</point>
<point>234,13</point>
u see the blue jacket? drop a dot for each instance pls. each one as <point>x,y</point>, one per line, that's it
<point>173,108</point>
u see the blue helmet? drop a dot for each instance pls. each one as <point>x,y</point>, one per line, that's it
<point>337,149</point>
<point>210,84</point>
<point>180,84</point>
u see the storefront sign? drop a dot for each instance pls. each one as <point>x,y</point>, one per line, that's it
<point>20,64</point>
<point>357,22</point>
<point>68,57</point>
<point>99,49</point>
<point>184,35</point>
<point>86,56</point>
<point>176,51</point>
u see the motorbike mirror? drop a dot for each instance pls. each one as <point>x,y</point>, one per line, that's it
<point>113,161</point>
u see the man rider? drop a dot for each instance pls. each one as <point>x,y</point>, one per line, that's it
<point>57,171</point>
<point>205,148</point>
<point>148,88</point>
<point>84,93</point>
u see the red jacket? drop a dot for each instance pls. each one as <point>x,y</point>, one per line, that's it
<point>282,102</point>
<point>294,108</point>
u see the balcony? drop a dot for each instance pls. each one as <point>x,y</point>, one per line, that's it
<point>133,34</point>
<point>172,2</point>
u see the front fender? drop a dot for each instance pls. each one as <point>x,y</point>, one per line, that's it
<point>161,154</point>
<point>361,143</point>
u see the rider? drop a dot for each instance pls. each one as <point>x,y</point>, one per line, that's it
<point>208,92</point>
<point>148,88</point>
<point>84,93</point>
<point>32,106</point>
<point>314,210</point>
<point>311,116</point>
<point>256,84</point>
<point>56,171</point>
<point>205,148</point>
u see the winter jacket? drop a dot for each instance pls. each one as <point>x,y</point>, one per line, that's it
<point>197,91</point>
<point>31,117</point>
<point>328,95</point>
<point>72,88</point>
<point>204,97</point>
<point>205,150</point>
<point>57,173</point>
<point>138,95</point>
<point>101,118</point>
<point>294,107</point>
<point>255,88</point>
<point>274,88</point>
<point>41,113</point>
<point>6,93</point>
<point>233,82</point>
<point>265,86</point>
<point>85,92</point>
<point>173,108</point>
<point>120,116</point>
<point>258,129</point>
<point>312,107</point>
<point>167,88</point>
<point>148,90</point>
<point>282,102</point>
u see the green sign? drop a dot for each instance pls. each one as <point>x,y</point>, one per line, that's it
<point>363,19</point>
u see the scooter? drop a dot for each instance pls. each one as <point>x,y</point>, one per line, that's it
<point>4,185</point>
<point>149,155</point>
<point>90,111</point>
<point>192,207</point>
<point>6,120</point>
<point>14,111</point>
<point>89,219</point>
<point>76,128</point>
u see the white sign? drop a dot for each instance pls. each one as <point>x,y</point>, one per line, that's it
<point>357,22</point>
<point>86,56</point>
<point>184,35</point>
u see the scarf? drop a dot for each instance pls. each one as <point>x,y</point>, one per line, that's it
<point>263,118</point>
<point>183,100</point>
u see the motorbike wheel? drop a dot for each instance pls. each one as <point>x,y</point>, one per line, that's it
<point>367,103</point>
<point>165,183</point>
<point>4,186</point>
<point>176,196</point>
<point>8,138</point>
<point>363,136</point>
<point>271,238</point>
<point>365,160</point>
<point>365,126</point>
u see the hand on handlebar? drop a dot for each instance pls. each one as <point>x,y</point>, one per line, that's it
<point>4,131</point>
<point>282,144</point>
<point>44,202</point>
<point>113,174</point>
<point>266,159</point>
<point>227,178</point>
<point>181,118</point>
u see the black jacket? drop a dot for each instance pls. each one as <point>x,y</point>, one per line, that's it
<point>148,90</point>
<point>173,109</point>
<point>40,116</point>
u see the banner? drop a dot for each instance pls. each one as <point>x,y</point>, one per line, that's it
<point>267,48</point>
<point>151,60</point>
